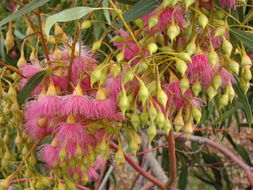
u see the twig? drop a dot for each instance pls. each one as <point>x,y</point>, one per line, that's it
<point>172,160</point>
<point>14,69</point>
<point>140,169</point>
<point>247,169</point>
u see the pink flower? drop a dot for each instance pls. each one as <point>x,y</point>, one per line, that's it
<point>200,70</point>
<point>206,4</point>
<point>32,128</point>
<point>50,155</point>
<point>227,78</point>
<point>176,99</point>
<point>76,105</point>
<point>228,4</point>
<point>92,174</point>
<point>164,18</point>
<point>99,163</point>
<point>44,106</point>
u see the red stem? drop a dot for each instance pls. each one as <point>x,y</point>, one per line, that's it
<point>140,169</point>
<point>172,160</point>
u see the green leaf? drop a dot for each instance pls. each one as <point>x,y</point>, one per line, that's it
<point>106,12</point>
<point>128,2</point>
<point>243,153</point>
<point>31,84</point>
<point>183,176</point>
<point>246,106</point>
<point>245,37</point>
<point>139,9</point>
<point>228,113</point>
<point>67,15</point>
<point>28,8</point>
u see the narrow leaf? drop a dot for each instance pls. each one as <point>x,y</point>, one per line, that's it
<point>31,84</point>
<point>139,9</point>
<point>245,37</point>
<point>246,106</point>
<point>67,15</point>
<point>129,2</point>
<point>28,8</point>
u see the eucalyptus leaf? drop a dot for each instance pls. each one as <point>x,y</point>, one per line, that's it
<point>31,84</point>
<point>245,37</point>
<point>28,8</point>
<point>67,15</point>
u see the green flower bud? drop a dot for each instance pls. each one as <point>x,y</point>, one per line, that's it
<point>217,81</point>
<point>196,114</point>
<point>95,75</point>
<point>202,21</point>
<point>129,76</point>
<point>4,184</point>
<point>135,120</point>
<point>169,3</point>
<point>184,84</point>
<point>119,157</point>
<point>173,31</point>
<point>188,3</point>
<point>234,67</point>
<point>142,67</point>
<point>213,58</point>
<point>167,126</point>
<point>62,186</point>
<point>153,21</point>
<point>244,85</point>
<point>191,48</point>
<point>178,121</point>
<point>227,47</point>
<point>152,112</point>
<point>231,93</point>
<point>152,48</point>
<point>151,131</point>
<point>246,74</point>
<point>96,45</point>
<point>220,31</point>
<point>223,101</point>
<point>184,56</point>
<point>245,60</point>
<point>160,119</point>
<point>144,118</point>
<point>181,66</point>
<point>162,97</point>
<point>143,93</point>
<point>86,24</point>
<point>220,14</point>
<point>160,39</point>
<point>116,70</point>
<point>9,41</point>
<point>134,146</point>
<point>123,103</point>
<point>196,88</point>
<point>120,56</point>
<point>139,22</point>
<point>188,129</point>
<point>211,92</point>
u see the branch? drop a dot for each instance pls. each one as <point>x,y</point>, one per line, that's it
<point>172,160</point>
<point>247,169</point>
<point>140,169</point>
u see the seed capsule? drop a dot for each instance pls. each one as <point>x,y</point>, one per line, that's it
<point>86,24</point>
<point>96,75</point>
<point>134,146</point>
<point>96,45</point>
<point>184,56</point>
<point>152,112</point>
<point>220,31</point>
<point>139,22</point>
<point>144,118</point>
<point>245,60</point>
<point>188,3</point>
<point>213,58</point>
<point>246,74</point>
<point>116,70</point>
<point>119,157</point>
<point>191,48</point>
<point>188,129</point>
<point>223,101</point>
<point>234,66</point>
<point>120,56</point>
<point>135,120</point>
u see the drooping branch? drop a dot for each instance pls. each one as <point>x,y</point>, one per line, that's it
<point>140,169</point>
<point>230,155</point>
